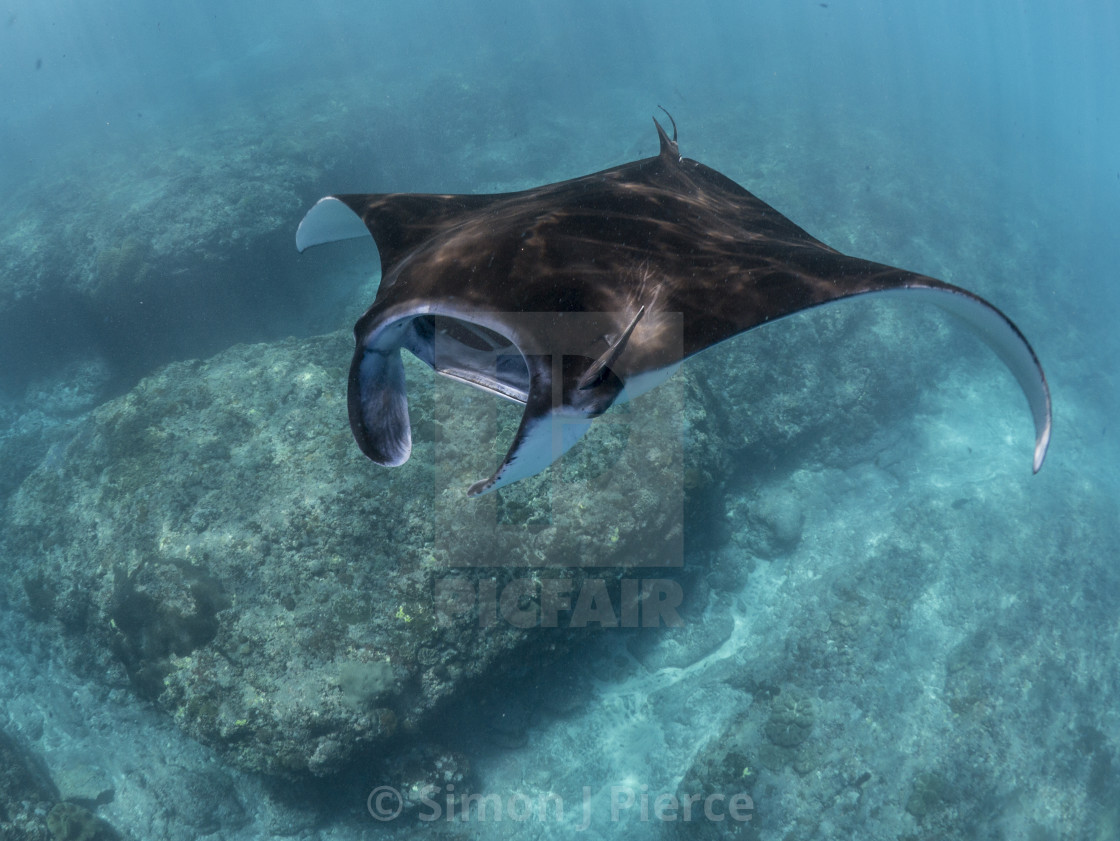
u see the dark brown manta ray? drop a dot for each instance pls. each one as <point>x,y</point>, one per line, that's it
<point>570,297</point>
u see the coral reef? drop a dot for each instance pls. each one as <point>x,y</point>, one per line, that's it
<point>30,804</point>
<point>26,792</point>
<point>790,721</point>
<point>780,401</point>
<point>174,243</point>
<point>71,822</point>
<point>230,553</point>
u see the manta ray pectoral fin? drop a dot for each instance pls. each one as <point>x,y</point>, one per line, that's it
<point>1002,336</point>
<point>594,375</point>
<point>398,222</point>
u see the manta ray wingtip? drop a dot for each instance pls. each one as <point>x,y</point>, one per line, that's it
<point>1042,442</point>
<point>329,220</point>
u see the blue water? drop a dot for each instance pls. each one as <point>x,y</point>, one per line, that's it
<point>976,142</point>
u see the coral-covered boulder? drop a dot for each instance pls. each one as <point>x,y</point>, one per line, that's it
<point>216,537</point>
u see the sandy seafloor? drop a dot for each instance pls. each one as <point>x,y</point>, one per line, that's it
<point>950,622</point>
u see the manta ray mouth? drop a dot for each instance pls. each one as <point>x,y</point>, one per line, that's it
<point>458,348</point>
<point>471,353</point>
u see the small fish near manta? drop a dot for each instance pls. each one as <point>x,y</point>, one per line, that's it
<point>573,296</point>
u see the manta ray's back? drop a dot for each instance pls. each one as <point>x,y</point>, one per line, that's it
<point>664,255</point>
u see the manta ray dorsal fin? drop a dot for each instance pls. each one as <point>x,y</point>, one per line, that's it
<point>594,375</point>
<point>669,147</point>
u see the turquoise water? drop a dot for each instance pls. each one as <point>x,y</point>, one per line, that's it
<point>891,628</point>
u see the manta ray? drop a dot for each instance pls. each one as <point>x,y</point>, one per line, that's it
<point>574,296</point>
